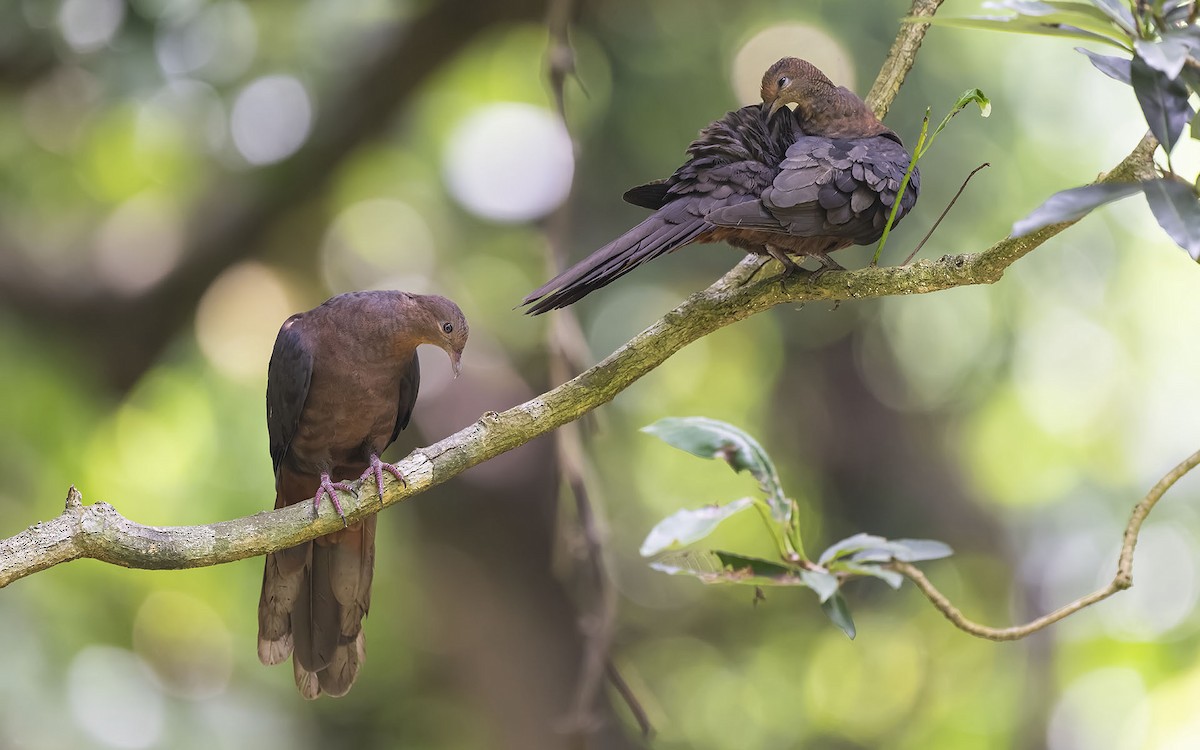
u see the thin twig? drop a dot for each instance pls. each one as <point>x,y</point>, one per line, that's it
<point>945,211</point>
<point>599,625</point>
<point>1121,581</point>
<point>626,692</point>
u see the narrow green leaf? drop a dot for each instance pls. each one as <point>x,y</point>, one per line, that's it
<point>686,526</point>
<point>836,609</point>
<point>1086,17</point>
<point>968,96</point>
<point>1024,7</point>
<point>1086,9</point>
<point>1164,102</point>
<point>1175,207</point>
<point>1069,205</point>
<point>1021,25</point>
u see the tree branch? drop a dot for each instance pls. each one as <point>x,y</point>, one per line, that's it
<point>100,533</point>
<point>900,58</point>
<point>1122,580</point>
<point>567,354</point>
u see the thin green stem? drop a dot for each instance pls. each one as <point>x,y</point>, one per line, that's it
<point>887,228</point>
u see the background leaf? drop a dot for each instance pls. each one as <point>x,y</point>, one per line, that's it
<point>1068,205</point>
<point>686,526</point>
<point>1164,102</point>
<point>1175,207</point>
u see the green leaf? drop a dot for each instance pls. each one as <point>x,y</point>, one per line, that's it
<point>848,546</point>
<point>852,553</point>
<point>837,611</point>
<point>711,438</point>
<point>1166,56</point>
<point>1024,7</point>
<point>728,568</point>
<point>686,526</point>
<point>1164,102</point>
<point>1080,15</point>
<point>916,550</point>
<point>1175,207</point>
<point>1069,205</point>
<point>976,96</point>
<point>1112,66</point>
<point>968,96</point>
<point>774,572</point>
<point>1118,11</point>
<point>1176,11</point>
<point>890,577</point>
<point>825,584</point>
<point>1089,9</point>
<point>1021,25</point>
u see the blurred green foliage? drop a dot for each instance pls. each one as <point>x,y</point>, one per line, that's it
<point>1017,422</point>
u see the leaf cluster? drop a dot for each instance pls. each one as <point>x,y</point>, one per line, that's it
<point>857,556</point>
<point>1160,45</point>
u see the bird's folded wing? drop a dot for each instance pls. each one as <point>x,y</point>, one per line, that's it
<point>830,187</point>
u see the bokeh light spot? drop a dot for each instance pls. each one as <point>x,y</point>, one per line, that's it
<point>88,25</point>
<point>195,108</point>
<point>1067,371</point>
<point>1103,709</point>
<point>54,108</point>
<point>788,40</point>
<point>238,319</point>
<point>113,699</point>
<point>185,642</point>
<point>218,43</point>
<point>271,119</point>
<point>139,243</point>
<point>378,244</point>
<point>1166,593</point>
<point>510,162</point>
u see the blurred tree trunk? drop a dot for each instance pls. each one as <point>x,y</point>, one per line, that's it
<point>513,629</point>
